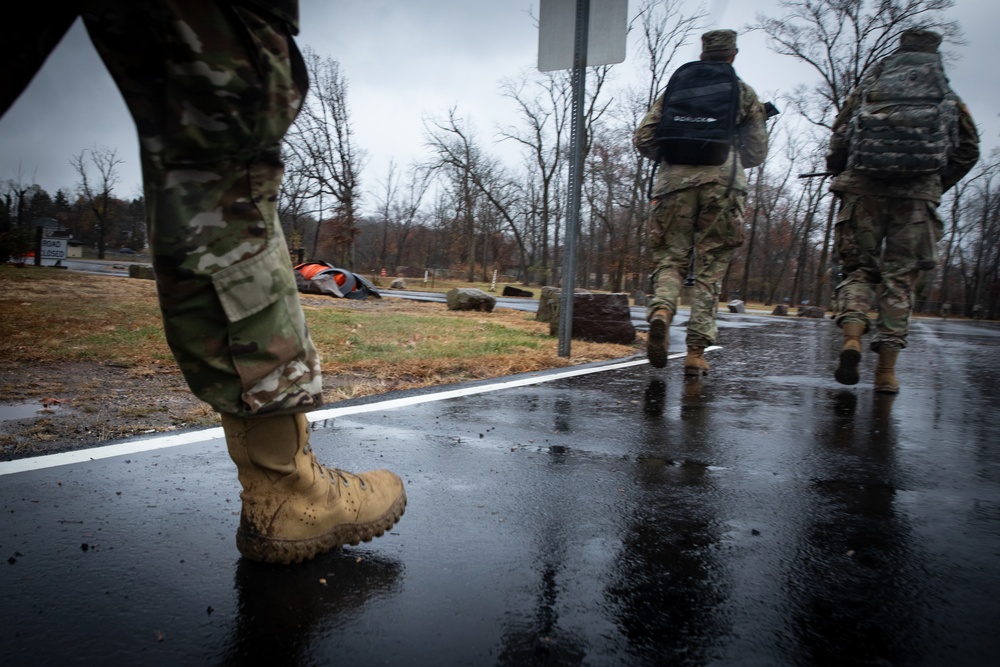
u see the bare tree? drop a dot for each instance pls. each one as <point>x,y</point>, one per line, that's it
<point>544,111</point>
<point>96,190</point>
<point>983,215</point>
<point>16,198</point>
<point>320,148</point>
<point>298,209</point>
<point>463,163</point>
<point>398,210</point>
<point>842,39</point>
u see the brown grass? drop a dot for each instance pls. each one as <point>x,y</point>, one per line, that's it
<point>95,344</point>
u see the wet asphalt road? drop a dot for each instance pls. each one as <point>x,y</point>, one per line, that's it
<point>762,516</point>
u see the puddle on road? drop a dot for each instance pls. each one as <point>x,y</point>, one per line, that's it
<point>12,412</point>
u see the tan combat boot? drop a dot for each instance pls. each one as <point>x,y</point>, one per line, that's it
<point>694,363</point>
<point>295,508</point>
<point>885,372</point>
<point>656,348</point>
<point>850,353</point>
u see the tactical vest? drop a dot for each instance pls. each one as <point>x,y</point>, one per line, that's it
<point>698,120</point>
<point>906,123</point>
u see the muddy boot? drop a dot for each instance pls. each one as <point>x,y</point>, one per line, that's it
<point>885,372</point>
<point>656,348</point>
<point>295,508</point>
<point>850,353</point>
<point>694,363</point>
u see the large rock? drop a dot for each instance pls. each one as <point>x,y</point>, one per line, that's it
<point>811,311</point>
<point>640,298</point>
<point>469,298</point>
<point>780,309</point>
<point>737,306</point>
<point>547,304</point>
<point>599,318</point>
<point>510,290</point>
<point>397,283</point>
<point>143,271</point>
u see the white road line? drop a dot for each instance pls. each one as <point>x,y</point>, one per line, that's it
<point>187,438</point>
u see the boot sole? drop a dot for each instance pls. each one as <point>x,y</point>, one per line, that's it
<point>847,369</point>
<point>657,346</point>
<point>695,371</point>
<point>257,547</point>
<point>886,389</point>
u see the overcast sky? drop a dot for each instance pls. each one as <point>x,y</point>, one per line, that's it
<point>406,60</point>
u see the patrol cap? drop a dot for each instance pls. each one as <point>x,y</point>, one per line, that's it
<point>919,39</point>
<point>718,41</point>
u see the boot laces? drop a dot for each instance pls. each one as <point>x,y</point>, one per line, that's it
<point>343,475</point>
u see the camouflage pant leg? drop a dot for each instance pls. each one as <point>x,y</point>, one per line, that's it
<point>709,220</point>
<point>883,244</point>
<point>212,89</point>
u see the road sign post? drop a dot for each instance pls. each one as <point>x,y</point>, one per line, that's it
<point>597,38</point>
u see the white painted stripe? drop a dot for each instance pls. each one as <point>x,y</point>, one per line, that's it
<point>189,437</point>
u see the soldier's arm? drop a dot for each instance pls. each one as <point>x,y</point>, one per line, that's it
<point>752,129</point>
<point>644,138</point>
<point>836,157</point>
<point>966,154</point>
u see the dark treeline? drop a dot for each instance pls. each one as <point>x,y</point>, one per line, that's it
<point>466,209</point>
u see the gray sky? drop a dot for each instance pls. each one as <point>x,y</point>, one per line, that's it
<point>406,60</point>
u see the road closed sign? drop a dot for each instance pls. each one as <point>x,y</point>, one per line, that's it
<point>54,248</point>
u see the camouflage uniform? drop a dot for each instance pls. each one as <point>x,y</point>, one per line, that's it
<point>703,204</point>
<point>887,229</point>
<point>212,87</point>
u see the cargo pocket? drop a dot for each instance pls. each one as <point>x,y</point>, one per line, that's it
<point>844,239</point>
<point>654,232</point>
<point>267,329</point>
<point>735,233</point>
<point>930,230</point>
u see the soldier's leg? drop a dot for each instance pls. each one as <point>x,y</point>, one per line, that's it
<point>212,88</point>
<point>720,232</point>
<point>913,230</point>
<point>669,238</point>
<point>858,241</point>
<point>669,232</point>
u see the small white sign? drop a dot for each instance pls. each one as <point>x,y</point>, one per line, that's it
<point>54,248</point>
<point>606,33</point>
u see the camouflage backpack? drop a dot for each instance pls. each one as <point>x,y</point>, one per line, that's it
<point>907,122</point>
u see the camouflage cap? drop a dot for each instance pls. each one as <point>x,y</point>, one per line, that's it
<point>918,39</point>
<point>715,41</point>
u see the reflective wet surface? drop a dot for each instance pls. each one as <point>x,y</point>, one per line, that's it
<point>762,516</point>
<point>14,411</point>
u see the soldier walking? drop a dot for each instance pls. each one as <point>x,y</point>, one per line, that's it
<point>902,139</point>
<point>703,131</point>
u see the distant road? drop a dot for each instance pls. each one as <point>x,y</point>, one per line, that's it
<point>115,267</point>
<point>105,267</point>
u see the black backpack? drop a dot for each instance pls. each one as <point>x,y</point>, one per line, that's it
<point>698,121</point>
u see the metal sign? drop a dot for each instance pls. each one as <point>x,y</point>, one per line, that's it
<point>575,34</point>
<point>607,29</point>
<point>54,248</point>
